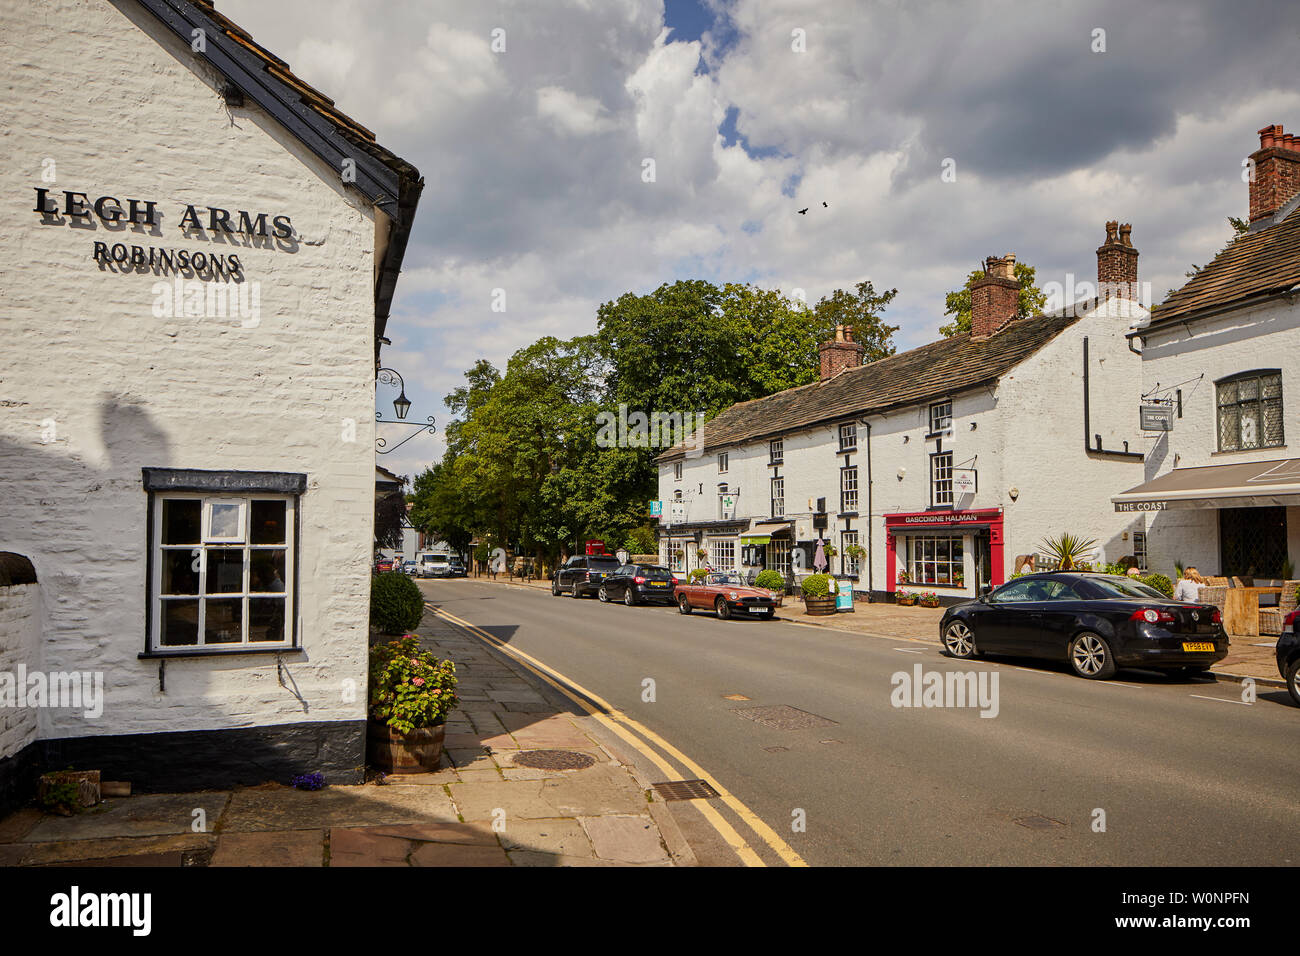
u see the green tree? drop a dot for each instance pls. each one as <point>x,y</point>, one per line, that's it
<point>957,303</point>
<point>861,310</point>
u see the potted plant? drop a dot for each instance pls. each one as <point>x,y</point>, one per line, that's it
<point>411,694</point>
<point>702,554</point>
<point>818,599</point>
<point>856,551</point>
<point>958,579</point>
<point>905,598</point>
<point>928,599</point>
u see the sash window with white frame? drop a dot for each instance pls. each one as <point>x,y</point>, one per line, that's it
<point>848,563</point>
<point>849,489</point>
<point>222,572</point>
<point>723,553</point>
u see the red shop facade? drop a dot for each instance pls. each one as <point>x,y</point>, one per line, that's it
<point>954,554</point>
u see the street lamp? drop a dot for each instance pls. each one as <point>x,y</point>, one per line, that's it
<point>401,406</point>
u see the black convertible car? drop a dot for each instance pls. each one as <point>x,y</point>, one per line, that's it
<point>1097,622</point>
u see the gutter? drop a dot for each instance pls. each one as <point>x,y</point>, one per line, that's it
<point>1087,421</point>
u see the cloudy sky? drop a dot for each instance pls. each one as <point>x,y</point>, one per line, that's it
<point>534,155</point>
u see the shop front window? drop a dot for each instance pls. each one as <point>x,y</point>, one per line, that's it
<point>936,559</point>
<point>722,554</point>
<point>848,563</point>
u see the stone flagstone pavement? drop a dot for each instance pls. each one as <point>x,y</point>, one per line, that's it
<point>479,809</point>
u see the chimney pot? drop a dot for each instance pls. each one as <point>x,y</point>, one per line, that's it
<point>1276,172</point>
<point>994,297</point>
<point>839,353</point>
<point>1117,263</point>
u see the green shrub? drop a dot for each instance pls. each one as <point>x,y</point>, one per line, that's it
<point>816,585</point>
<point>396,604</point>
<point>770,579</point>
<point>699,574</point>
<point>1113,568</point>
<point>1159,582</point>
<point>409,687</point>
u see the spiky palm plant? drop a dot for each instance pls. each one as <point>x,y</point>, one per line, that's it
<point>1068,550</point>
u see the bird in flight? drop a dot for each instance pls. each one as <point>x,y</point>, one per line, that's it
<point>803,211</point>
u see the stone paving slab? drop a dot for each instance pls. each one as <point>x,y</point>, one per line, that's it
<point>351,806</point>
<point>152,814</point>
<point>520,799</point>
<point>271,848</point>
<point>627,839</point>
<point>561,837</point>
<point>468,833</point>
<point>353,847</point>
<point>451,854</point>
<point>604,788</point>
<point>73,851</point>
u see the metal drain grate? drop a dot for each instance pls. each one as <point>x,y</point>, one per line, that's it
<point>553,760</point>
<point>1040,823</point>
<point>685,790</point>
<point>783,717</point>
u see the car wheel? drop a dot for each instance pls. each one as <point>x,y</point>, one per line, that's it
<point>1090,656</point>
<point>629,597</point>
<point>603,595</point>
<point>1293,679</point>
<point>555,589</point>
<point>958,640</point>
<point>684,604</point>
<point>722,608</point>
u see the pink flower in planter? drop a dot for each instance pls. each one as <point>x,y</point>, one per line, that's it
<point>417,681</point>
<point>414,662</point>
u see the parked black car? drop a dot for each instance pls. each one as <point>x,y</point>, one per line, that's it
<point>638,584</point>
<point>455,567</point>
<point>1097,622</point>
<point>583,574</point>
<point>1288,655</point>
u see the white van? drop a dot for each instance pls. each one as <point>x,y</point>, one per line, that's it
<point>434,565</point>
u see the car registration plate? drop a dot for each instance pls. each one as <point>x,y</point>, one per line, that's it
<point>758,610</point>
<point>1192,646</point>
<point>659,584</point>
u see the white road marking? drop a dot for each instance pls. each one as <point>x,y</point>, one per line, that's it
<point>1222,700</point>
<point>908,650</point>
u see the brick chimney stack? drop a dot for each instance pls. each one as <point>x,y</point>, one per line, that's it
<point>1117,264</point>
<point>839,353</point>
<point>994,298</point>
<point>1277,172</point>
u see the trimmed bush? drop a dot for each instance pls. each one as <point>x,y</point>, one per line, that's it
<point>1159,582</point>
<point>396,604</point>
<point>816,585</point>
<point>770,579</point>
<point>699,574</point>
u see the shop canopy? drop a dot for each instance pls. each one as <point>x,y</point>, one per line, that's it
<point>763,531</point>
<point>1257,484</point>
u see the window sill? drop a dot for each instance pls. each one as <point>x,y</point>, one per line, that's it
<point>846,514</point>
<point>939,434</point>
<point>779,461</point>
<point>204,652</point>
<point>846,451</point>
<point>1247,451</point>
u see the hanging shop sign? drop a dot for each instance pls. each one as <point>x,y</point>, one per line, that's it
<point>1157,418</point>
<point>964,481</point>
<point>656,509</point>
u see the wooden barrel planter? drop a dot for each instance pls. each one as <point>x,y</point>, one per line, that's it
<point>393,752</point>
<point>817,606</point>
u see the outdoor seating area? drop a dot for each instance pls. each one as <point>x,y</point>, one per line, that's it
<point>1251,607</point>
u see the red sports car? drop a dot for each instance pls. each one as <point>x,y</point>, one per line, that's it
<point>726,593</point>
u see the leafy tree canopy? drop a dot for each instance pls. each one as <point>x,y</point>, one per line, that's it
<point>957,303</point>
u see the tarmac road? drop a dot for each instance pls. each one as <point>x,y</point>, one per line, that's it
<point>1180,772</point>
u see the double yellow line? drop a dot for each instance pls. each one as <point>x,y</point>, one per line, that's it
<point>628,730</point>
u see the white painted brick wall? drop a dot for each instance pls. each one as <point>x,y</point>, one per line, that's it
<point>1028,435</point>
<point>20,643</point>
<point>1264,337</point>
<point>122,115</point>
